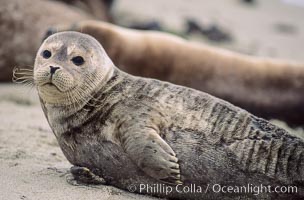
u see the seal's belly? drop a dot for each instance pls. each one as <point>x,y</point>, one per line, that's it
<point>114,165</point>
<point>111,161</point>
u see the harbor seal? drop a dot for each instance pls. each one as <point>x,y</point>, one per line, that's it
<point>154,137</point>
<point>268,88</point>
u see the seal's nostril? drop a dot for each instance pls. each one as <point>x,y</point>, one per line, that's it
<point>53,69</point>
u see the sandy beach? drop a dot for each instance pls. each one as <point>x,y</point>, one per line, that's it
<point>31,163</point>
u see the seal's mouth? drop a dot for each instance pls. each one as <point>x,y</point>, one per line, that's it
<point>51,85</point>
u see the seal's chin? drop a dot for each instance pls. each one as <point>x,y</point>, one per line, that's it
<point>55,86</point>
<point>50,86</point>
<point>53,94</point>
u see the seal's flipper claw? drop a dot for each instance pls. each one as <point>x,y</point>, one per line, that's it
<point>172,181</point>
<point>82,175</point>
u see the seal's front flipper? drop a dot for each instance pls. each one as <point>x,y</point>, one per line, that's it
<point>151,153</point>
<point>82,175</point>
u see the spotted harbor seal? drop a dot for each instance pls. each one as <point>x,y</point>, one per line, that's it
<point>268,88</point>
<point>154,137</point>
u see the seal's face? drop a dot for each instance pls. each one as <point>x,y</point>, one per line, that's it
<point>69,66</point>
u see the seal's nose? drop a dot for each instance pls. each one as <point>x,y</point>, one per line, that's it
<point>53,69</point>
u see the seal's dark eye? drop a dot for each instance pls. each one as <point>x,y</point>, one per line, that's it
<point>78,60</point>
<point>46,54</point>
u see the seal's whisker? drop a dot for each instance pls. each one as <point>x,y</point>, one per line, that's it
<point>69,98</point>
<point>17,69</point>
<point>76,99</point>
<point>29,84</point>
<point>79,98</point>
<point>24,73</point>
<point>90,79</point>
<point>20,73</point>
<point>21,81</point>
<point>30,87</point>
<point>92,85</point>
<point>72,100</point>
<point>92,98</point>
<point>82,98</point>
<point>25,69</point>
<point>23,76</point>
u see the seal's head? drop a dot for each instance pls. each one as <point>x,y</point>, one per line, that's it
<point>69,66</point>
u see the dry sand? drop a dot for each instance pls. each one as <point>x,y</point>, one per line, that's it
<point>31,163</point>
